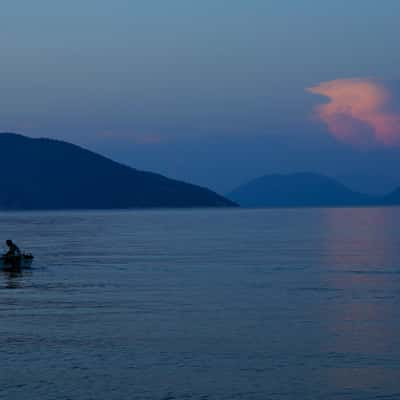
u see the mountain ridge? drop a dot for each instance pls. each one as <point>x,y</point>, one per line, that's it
<point>392,198</point>
<point>43,173</point>
<point>302,189</point>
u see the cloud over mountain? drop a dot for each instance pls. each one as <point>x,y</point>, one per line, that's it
<point>359,111</point>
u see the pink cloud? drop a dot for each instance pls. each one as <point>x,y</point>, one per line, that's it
<point>357,111</point>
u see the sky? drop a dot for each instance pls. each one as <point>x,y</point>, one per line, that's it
<point>213,92</point>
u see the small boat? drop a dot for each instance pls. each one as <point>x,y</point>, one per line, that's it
<point>22,261</point>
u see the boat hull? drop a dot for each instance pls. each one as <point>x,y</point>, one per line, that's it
<point>16,262</point>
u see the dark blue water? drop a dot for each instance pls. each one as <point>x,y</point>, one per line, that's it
<point>204,304</point>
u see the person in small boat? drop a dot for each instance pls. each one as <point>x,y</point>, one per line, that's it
<point>13,249</point>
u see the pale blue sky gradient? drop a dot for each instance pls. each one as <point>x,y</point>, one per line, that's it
<point>147,82</point>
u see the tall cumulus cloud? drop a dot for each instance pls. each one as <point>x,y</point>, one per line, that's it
<point>359,111</point>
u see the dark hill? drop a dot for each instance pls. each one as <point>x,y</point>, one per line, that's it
<point>392,198</point>
<point>296,190</point>
<point>51,174</point>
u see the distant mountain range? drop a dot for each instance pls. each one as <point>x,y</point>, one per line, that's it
<point>304,190</point>
<point>51,174</point>
<point>393,198</point>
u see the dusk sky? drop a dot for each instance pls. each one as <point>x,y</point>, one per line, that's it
<point>212,92</point>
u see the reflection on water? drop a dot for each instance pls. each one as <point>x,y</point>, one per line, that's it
<point>203,304</point>
<point>362,260</point>
<point>15,278</point>
<point>368,238</point>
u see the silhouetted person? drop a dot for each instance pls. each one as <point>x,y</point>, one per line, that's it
<point>13,249</point>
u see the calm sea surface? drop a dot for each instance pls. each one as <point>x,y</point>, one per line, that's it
<point>203,304</point>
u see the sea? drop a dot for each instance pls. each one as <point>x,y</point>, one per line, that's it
<point>203,304</point>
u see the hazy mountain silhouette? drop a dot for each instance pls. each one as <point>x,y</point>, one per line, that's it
<point>393,198</point>
<point>51,174</point>
<point>297,190</point>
